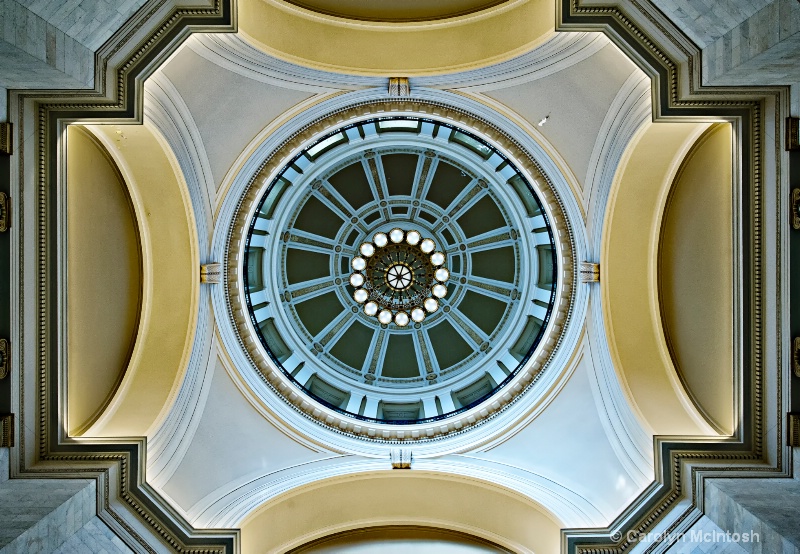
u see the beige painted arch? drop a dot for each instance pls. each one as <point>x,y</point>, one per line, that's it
<point>103,277</point>
<point>400,498</point>
<point>632,309</point>
<point>170,281</point>
<point>388,49</point>
<point>400,540</point>
<point>696,270</point>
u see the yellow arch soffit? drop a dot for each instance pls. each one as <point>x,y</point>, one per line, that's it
<point>171,281</point>
<point>354,47</point>
<point>629,279</point>
<point>422,498</point>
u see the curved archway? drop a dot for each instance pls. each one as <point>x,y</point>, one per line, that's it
<point>170,281</point>
<point>379,499</point>
<point>390,48</point>
<point>400,539</point>
<point>629,285</point>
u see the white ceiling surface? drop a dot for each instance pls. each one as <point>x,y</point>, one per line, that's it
<point>233,443</point>
<point>227,108</point>
<point>575,117</point>
<point>567,444</point>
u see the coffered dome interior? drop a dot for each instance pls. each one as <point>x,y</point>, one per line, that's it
<point>357,187</point>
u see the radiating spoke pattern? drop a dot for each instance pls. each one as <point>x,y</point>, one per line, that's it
<point>398,277</point>
<point>450,308</point>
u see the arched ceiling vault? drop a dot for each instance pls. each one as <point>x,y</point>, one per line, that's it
<point>396,11</point>
<point>389,49</point>
<point>417,499</point>
<point>168,247</point>
<point>632,304</point>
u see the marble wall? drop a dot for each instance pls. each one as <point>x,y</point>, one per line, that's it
<point>95,536</point>
<point>38,515</point>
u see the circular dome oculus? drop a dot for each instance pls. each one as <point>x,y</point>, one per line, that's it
<point>400,270</point>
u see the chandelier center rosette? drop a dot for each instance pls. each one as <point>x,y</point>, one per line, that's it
<point>399,277</point>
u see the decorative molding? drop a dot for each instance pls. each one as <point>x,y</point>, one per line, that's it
<point>211,273</point>
<point>5,138</point>
<point>234,53</point>
<point>795,207</point>
<point>166,110</point>
<point>399,87</point>
<point>793,430</point>
<point>401,458</point>
<point>666,54</point>
<point>792,134</point>
<point>127,505</point>
<point>589,272</point>
<point>625,427</point>
<point>673,456</point>
<point>5,358</point>
<point>796,356</point>
<point>5,212</point>
<point>561,51</point>
<point>7,431</point>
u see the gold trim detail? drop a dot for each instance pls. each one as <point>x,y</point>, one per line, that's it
<point>5,138</point>
<point>6,430</point>
<point>399,87</point>
<point>795,208</point>
<point>589,272</point>
<point>793,430</point>
<point>792,134</point>
<point>5,358</point>
<point>5,212</point>
<point>211,273</point>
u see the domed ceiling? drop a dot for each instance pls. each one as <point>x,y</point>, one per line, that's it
<point>451,304</point>
<point>387,273</point>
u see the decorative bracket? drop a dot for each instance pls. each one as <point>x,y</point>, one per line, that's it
<point>5,212</point>
<point>211,273</point>
<point>796,356</point>
<point>793,431</point>
<point>792,133</point>
<point>6,430</point>
<point>5,138</point>
<point>399,86</point>
<point>5,358</point>
<point>796,208</point>
<point>589,272</point>
<point>401,458</point>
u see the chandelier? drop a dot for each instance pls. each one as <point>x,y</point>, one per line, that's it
<point>399,277</point>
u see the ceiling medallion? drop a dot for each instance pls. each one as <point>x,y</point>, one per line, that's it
<point>399,277</point>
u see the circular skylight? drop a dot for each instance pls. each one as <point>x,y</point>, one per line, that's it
<point>399,270</point>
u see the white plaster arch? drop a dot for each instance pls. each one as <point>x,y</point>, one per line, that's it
<point>165,110</point>
<point>231,505</point>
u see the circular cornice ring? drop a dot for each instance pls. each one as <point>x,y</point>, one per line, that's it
<point>339,423</point>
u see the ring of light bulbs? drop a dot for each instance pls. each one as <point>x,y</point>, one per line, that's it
<point>374,305</point>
